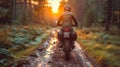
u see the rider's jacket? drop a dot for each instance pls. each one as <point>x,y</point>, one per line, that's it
<point>66,19</point>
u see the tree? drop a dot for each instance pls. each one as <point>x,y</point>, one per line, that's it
<point>109,14</point>
<point>25,3</point>
<point>78,8</point>
<point>13,12</point>
<point>31,12</point>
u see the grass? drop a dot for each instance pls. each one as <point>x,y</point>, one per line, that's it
<point>28,51</point>
<point>23,49</point>
<point>102,47</point>
<point>25,52</point>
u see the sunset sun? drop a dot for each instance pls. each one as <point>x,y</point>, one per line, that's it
<point>54,5</point>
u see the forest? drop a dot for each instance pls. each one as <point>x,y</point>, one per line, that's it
<point>26,24</point>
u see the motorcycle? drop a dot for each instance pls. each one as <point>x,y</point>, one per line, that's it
<point>67,41</point>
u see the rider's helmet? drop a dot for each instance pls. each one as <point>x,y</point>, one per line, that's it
<point>67,8</point>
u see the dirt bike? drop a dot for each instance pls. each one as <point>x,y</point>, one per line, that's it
<point>67,41</point>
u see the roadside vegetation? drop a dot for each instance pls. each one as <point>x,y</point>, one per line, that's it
<point>103,47</point>
<point>18,42</point>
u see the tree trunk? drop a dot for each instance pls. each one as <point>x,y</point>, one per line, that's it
<point>30,13</point>
<point>78,7</point>
<point>109,14</point>
<point>13,10</point>
<point>83,13</point>
<point>25,12</point>
<point>25,2</point>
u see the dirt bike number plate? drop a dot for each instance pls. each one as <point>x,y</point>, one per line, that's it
<point>66,34</point>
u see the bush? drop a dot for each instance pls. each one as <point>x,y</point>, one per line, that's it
<point>103,47</point>
<point>5,57</point>
<point>3,11</point>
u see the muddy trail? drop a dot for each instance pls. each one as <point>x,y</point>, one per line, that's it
<point>51,55</point>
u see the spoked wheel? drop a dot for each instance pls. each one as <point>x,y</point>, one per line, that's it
<point>67,50</point>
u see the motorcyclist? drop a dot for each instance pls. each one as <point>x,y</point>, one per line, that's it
<point>65,20</point>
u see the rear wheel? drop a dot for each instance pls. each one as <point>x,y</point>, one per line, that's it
<point>67,50</point>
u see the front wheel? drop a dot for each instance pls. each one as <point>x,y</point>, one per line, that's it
<point>67,50</point>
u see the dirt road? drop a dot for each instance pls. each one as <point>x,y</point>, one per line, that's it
<point>51,55</point>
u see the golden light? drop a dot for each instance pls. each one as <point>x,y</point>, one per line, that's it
<point>34,2</point>
<point>54,5</point>
<point>66,0</point>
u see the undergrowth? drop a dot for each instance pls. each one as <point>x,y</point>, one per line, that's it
<point>18,42</point>
<point>103,47</point>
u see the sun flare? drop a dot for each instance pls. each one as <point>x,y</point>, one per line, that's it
<point>54,5</point>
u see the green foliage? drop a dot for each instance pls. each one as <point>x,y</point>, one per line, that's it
<point>3,11</point>
<point>90,18</point>
<point>21,41</point>
<point>109,39</point>
<point>5,56</point>
<point>22,37</point>
<point>19,38</point>
<point>5,52</point>
<point>105,48</point>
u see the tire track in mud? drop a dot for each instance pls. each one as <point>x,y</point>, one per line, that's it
<point>55,57</point>
<point>51,55</point>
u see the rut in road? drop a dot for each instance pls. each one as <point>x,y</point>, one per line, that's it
<point>56,57</point>
<point>53,56</point>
